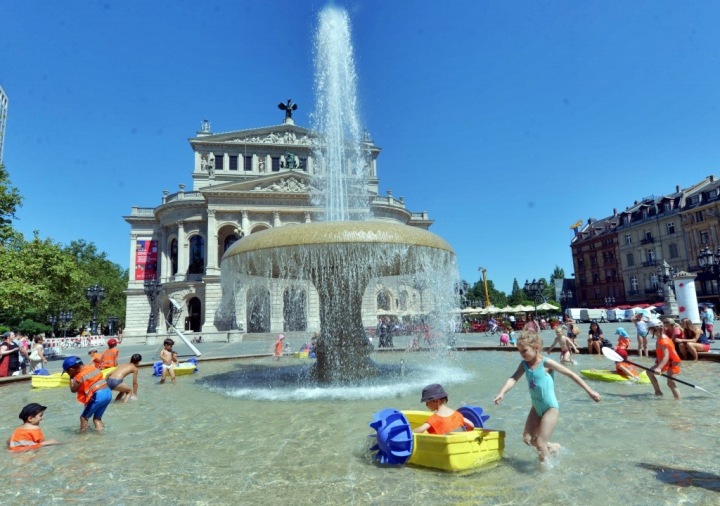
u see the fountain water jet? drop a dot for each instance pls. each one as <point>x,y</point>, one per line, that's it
<point>343,255</point>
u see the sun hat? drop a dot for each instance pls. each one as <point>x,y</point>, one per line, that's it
<point>433,392</point>
<point>31,409</point>
<point>621,332</point>
<point>281,336</point>
<point>71,362</point>
<point>112,341</point>
<point>654,323</point>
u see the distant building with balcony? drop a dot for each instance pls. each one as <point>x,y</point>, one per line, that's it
<point>244,182</point>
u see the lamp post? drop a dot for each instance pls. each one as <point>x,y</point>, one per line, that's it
<point>52,319</point>
<point>65,317</point>
<point>112,320</point>
<point>152,290</point>
<point>535,290</point>
<point>94,294</point>
<point>566,297</point>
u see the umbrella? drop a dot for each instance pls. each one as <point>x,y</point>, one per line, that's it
<point>507,309</point>
<point>491,310</point>
<point>471,310</point>
<point>547,307</point>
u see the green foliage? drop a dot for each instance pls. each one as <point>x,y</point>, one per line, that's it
<point>558,273</point>
<point>31,327</point>
<point>10,200</point>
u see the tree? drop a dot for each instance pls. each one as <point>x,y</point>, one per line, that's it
<point>558,273</point>
<point>10,200</point>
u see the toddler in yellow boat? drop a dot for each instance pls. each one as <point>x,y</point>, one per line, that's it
<point>444,419</point>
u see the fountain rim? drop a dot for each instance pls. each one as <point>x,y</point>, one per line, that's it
<point>337,232</point>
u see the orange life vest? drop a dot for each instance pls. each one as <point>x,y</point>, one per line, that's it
<point>624,342</point>
<point>665,345</point>
<point>278,347</point>
<point>627,366</point>
<point>91,380</point>
<point>26,439</point>
<point>445,424</point>
<point>109,358</point>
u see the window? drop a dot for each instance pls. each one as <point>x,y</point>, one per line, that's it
<point>650,253</point>
<point>667,206</point>
<point>634,283</point>
<point>219,161</point>
<point>596,278</point>
<point>233,162</point>
<point>626,220</point>
<point>197,255</point>
<point>673,250</point>
<point>644,213</point>
<point>630,260</point>
<point>670,228</point>
<point>699,217</point>
<point>275,163</point>
<point>628,239</point>
<point>704,237</point>
<point>248,162</point>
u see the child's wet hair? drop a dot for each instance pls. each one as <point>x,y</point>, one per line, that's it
<point>168,341</point>
<point>530,338</point>
<point>136,359</point>
<point>559,331</point>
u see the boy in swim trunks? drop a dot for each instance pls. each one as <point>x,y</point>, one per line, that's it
<point>544,413</point>
<point>115,379</point>
<point>565,344</point>
<point>169,360</point>
<point>444,419</point>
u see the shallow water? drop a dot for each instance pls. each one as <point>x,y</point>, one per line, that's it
<point>208,441</point>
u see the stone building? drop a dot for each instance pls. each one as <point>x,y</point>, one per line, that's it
<point>244,182</point>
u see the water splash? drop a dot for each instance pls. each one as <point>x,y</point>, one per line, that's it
<point>342,161</point>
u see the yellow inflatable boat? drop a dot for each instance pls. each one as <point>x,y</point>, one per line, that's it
<point>58,379</point>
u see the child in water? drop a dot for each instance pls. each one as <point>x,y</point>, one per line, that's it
<point>169,360</point>
<point>29,436</point>
<point>667,360</point>
<point>565,344</point>
<point>444,419</point>
<point>544,413</point>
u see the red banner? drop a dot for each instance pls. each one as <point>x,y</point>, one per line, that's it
<point>145,260</point>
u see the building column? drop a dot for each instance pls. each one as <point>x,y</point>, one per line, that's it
<point>245,223</point>
<point>212,244</point>
<point>133,252</point>
<point>182,252</point>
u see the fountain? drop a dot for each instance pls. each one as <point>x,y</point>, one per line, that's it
<point>343,255</point>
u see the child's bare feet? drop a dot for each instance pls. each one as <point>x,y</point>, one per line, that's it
<point>554,448</point>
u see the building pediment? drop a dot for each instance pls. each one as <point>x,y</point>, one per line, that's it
<point>286,134</point>
<point>286,182</point>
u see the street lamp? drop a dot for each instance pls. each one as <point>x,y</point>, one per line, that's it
<point>535,290</point>
<point>609,301</point>
<point>665,276</point>
<point>152,290</point>
<point>94,294</point>
<point>65,317</point>
<point>52,320</point>
<point>112,320</point>
<point>566,296</point>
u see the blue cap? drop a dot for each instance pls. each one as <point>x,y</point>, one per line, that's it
<point>71,362</point>
<point>621,332</point>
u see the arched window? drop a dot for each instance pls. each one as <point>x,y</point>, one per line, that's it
<point>173,257</point>
<point>294,310</point>
<point>258,309</point>
<point>383,300</point>
<point>197,255</point>
<point>194,318</point>
<point>229,241</point>
<point>403,301</point>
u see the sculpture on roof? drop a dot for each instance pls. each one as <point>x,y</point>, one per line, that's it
<point>288,108</point>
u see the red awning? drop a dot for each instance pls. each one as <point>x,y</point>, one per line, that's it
<point>624,307</point>
<point>658,304</point>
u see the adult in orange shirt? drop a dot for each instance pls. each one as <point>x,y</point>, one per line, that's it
<point>667,361</point>
<point>109,358</point>
<point>279,347</point>
<point>444,419</point>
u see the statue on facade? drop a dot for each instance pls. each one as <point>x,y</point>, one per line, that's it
<point>288,108</point>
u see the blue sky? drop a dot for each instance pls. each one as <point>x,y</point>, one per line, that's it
<point>506,121</point>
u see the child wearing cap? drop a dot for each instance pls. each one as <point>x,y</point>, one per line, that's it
<point>91,388</point>
<point>623,338</point>
<point>109,358</point>
<point>29,436</point>
<point>545,411</point>
<point>667,361</point>
<point>444,419</point>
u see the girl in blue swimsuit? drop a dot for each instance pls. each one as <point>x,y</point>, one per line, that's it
<point>543,416</point>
